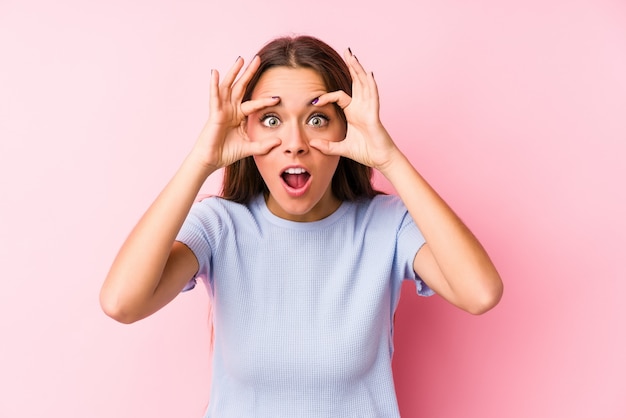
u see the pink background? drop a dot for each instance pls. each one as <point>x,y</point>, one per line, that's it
<point>514,110</point>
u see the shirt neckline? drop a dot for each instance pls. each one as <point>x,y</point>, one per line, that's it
<point>260,203</point>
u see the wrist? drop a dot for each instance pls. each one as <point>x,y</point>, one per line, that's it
<point>198,163</point>
<point>395,158</point>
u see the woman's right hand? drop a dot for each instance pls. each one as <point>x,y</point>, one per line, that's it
<point>151,268</point>
<point>223,139</point>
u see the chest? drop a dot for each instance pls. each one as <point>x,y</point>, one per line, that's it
<point>304,298</point>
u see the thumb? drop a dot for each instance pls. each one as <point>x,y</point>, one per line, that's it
<point>263,147</point>
<point>328,147</point>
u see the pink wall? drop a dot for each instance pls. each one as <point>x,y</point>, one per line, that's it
<point>515,111</point>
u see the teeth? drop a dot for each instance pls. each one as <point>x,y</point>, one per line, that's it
<point>295,170</point>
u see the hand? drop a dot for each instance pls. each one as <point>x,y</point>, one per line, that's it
<point>223,139</point>
<point>367,140</point>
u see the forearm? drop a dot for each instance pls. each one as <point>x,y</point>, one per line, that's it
<point>470,279</point>
<point>138,267</point>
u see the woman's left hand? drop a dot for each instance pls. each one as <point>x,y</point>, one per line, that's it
<point>367,140</point>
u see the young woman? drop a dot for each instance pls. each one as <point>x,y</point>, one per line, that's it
<point>303,259</point>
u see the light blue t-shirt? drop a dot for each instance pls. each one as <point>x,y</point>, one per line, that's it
<point>303,311</point>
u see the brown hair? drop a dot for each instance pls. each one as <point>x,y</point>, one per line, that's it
<point>352,180</point>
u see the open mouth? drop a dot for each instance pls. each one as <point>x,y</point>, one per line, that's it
<point>295,177</point>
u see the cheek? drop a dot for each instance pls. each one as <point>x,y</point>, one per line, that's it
<point>259,163</point>
<point>330,163</point>
<point>264,165</point>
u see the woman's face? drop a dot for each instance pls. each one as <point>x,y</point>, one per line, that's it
<point>298,176</point>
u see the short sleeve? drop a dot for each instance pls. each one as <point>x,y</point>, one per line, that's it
<point>410,240</point>
<point>190,284</point>
<point>195,235</point>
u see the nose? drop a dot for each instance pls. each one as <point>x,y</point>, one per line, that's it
<point>296,142</point>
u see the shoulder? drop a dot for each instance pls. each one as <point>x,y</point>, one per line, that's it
<point>384,212</point>
<point>388,202</point>
<point>388,206</point>
<point>219,215</point>
<point>219,206</point>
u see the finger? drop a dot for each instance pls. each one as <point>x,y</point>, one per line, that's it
<point>340,97</point>
<point>241,84</point>
<point>373,87</point>
<point>354,62</point>
<point>231,75</point>
<point>252,106</point>
<point>214,93</point>
<point>262,147</point>
<point>356,69</point>
<point>363,82</point>
<point>329,147</point>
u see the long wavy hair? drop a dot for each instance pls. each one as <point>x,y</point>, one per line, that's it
<point>352,180</point>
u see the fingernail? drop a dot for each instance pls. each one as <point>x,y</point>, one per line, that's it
<point>238,58</point>
<point>275,97</point>
<point>315,100</point>
<point>350,51</point>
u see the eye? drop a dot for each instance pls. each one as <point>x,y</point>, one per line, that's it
<point>271,121</point>
<point>318,120</point>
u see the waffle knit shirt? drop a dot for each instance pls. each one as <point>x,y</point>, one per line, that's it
<point>303,311</point>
